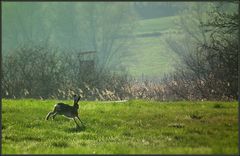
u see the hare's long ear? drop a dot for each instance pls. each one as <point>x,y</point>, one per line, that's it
<point>75,98</point>
<point>78,99</point>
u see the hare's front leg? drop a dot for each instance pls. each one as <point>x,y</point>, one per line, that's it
<point>80,120</point>
<point>53,116</point>
<point>76,123</point>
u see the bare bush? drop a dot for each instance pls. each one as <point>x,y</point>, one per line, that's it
<point>38,71</point>
<point>208,68</point>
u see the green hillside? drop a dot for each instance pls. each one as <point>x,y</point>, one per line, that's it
<point>150,55</point>
<point>156,24</point>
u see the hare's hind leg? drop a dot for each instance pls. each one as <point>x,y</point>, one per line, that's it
<point>49,114</point>
<point>52,113</point>
<point>53,116</point>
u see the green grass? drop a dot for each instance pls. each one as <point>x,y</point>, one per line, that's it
<point>131,127</point>
<point>156,24</point>
<point>151,56</point>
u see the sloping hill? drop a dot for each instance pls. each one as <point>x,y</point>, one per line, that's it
<point>148,54</point>
<point>162,24</point>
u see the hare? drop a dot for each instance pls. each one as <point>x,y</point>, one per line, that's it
<point>66,110</point>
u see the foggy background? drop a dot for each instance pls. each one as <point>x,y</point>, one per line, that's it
<point>153,50</point>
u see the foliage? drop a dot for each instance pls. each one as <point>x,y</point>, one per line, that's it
<point>132,127</point>
<point>39,71</point>
<point>208,53</point>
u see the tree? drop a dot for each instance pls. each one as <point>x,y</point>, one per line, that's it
<point>208,54</point>
<point>222,50</point>
<point>106,28</point>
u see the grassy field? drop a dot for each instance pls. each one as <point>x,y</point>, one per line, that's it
<point>130,127</point>
<point>161,24</point>
<point>150,57</point>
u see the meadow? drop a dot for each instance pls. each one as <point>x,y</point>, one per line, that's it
<point>132,127</point>
<point>150,55</point>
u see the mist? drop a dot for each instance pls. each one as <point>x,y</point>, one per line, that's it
<point>144,40</point>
